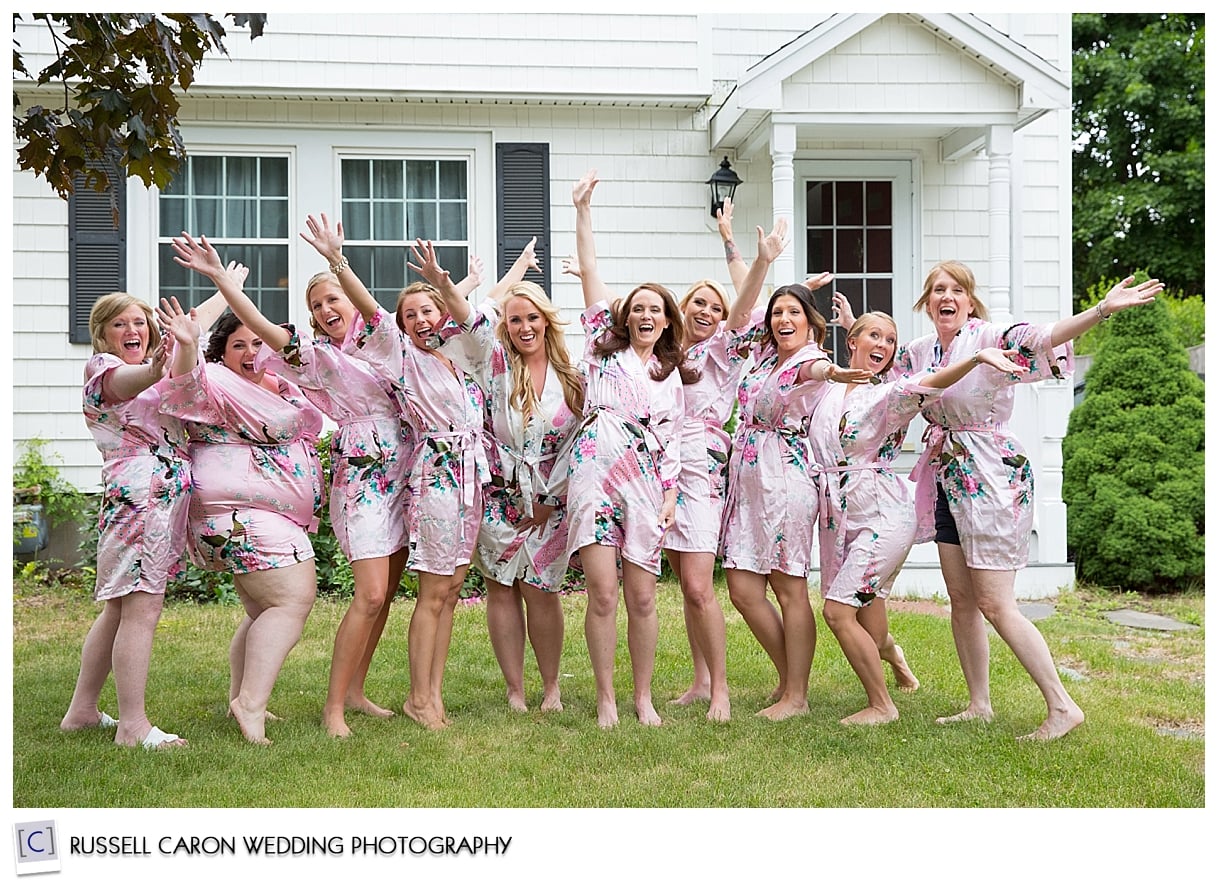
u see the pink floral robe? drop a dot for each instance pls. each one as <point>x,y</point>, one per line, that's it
<point>705,446</point>
<point>970,450</point>
<point>773,481</point>
<point>448,464</point>
<point>867,517</point>
<point>257,477</point>
<point>145,487</point>
<point>528,463</point>
<point>626,452</point>
<point>368,457</point>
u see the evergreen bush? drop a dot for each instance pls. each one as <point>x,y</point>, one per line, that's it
<point>1134,460</point>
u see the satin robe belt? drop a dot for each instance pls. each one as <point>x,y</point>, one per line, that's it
<point>521,470</point>
<point>829,488</point>
<point>793,436</point>
<point>923,473</point>
<point>468,446</point>
<point>129,448</point>
<point>633,424</point>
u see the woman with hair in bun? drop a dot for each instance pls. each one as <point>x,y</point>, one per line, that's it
<point>624,463</point>
<point>773,486</point>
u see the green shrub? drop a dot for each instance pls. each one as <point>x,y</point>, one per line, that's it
<point>1187,317</point>
<point>61,502</point>
<point>1134,460</point>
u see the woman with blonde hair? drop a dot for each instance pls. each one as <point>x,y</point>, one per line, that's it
<point>978,471</point>
<point>867,517</point>
<point>146,483</point>
<point>535,399</point>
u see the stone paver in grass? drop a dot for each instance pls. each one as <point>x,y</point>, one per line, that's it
<point>1136,619</point>
<point>1034,611</point>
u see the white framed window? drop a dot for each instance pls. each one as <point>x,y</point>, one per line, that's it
<point>388,202</point>
<point>855,218</point>
<point>240,202</point>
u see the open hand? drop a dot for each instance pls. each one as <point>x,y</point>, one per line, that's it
<point>581,193</point>
<point>197,255</point>
<point>327,240</point>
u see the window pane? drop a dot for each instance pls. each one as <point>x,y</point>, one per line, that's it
<point>207,219</point>
<point>452,180</point>
<point>879,295</point>
<point>274,176</point>
<point>242,219</point>
<point>420,220</point>
<point>241,176</point>
<point>452,220</point>
<point>455,259</point>
<point>357,220</point>
<point>850,203</point>
<point>820,203</point>
<point>274,219</point>
<point>173,216</point>
<point>879,203</point>
<point>356,179</point>
<point>849,251</point>
<point>879,250</point>
<point>206,175</point>
<point>387,179</point>
<point>820,253</point>
<point>387,221</point>
<point>389,270</point>
<point>421,179</point>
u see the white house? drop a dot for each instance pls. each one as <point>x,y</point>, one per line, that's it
<point>889,141</point>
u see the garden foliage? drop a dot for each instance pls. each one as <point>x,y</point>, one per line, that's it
<point>1134,460</point>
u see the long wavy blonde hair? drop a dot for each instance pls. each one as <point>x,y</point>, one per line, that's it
<point>524,396</point>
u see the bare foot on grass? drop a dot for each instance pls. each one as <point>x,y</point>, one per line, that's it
<point>965,715</point>
<point>362,705</point>
<point>1057,724</point>
<point>784,709</point>
<point>606,713</point>
<point>335,724</point>
<point>551,701</point>
<point>424,716</point>
<point>691,695</point>
<point>646,711</point>
<point>870,716</point>
<point>906,681</point>
<point>95,719</point>
<point>252,723</point>
<point>516,702</point>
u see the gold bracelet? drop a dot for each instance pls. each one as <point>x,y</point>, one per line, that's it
<point>1099,310</point>
<point>977,357</point>
<point>342,264</point>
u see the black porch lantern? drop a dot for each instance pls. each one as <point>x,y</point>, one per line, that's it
<point>723,185</point>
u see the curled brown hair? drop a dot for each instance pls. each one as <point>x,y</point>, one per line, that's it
<point>816,321</point>
<point>668,350</point>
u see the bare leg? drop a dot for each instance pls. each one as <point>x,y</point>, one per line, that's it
<point>96,659</point>
<point>968,632</point>
<point>356,699</point>
<point>799,627</point>
<point>600,626</point>
<point>642,633</point>
<point>545,624</point>
<point>425,624</point>
<point>700,688</point>
<point>505,622</point>
<point>995,594</point>
<point>278,602</point>
<point>351,640</point>
<point>444,635</point>
<point>236,654</point>
<point>861,651</point>
<point>704,622</point>
<point>747,592</point>
<point>132,653</point>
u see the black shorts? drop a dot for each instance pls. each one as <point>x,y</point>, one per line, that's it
<point>945,524</point>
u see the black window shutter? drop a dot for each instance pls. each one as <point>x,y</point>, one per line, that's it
<point>97,250</point>
<point>522,173</point>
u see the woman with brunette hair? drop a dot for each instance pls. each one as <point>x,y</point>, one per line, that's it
<point>624,463</point>
<point>535,398</point>
<point>444,407</point>
<point>773,487</point>
<point>867,516</point>
<point>975,478</point>
<point>368,467</point>
<point>257,486</point>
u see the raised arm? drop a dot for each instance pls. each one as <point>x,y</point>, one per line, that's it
<point>473,278</point>
<point>185,330</point>
<point>999,359</point>
<point>328,242</point>
<point>1122,296</point>
<point>747,289</point>
<point>429,268</point>
<point>521,265</point>
<point>736,267</point>
<point>585,248</point>
<point>126,381</point>
<point>200,256</point>
<point>213,307</point>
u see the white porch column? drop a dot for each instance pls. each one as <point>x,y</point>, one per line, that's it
<point>998,145</point>
<point>782,153</point>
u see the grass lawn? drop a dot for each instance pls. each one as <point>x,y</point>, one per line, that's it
<point>1141,746</point>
